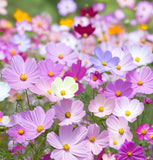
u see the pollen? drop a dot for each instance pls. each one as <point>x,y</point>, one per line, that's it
<point>49,91</point>
<point>67,114</point>
<point>60,56</point>
<point>91,139</point>
<point>19,42</point>
<point>118,93</point>
<point>13,52</point>
<point>39,24</point>
<point>129,154</point>
<point>23,77</point>
<point>20,131</point>
<point>66,147</point>
<point>39,128</point>
<point>140,83</point>
<point>144,132</point>
<point>75,78</point>
<point>0,119</point>
<point>151,136</point>
<point>127,113</point>
<point>114,142</point>
<point>101,109</point>
<point>50,74</point>
<point>94,78</point>
<point>104,63</point>
<point>63,93</point>
<point>85,35</point>
<point>121,131</point>
<point>118,67</point>
<point>137,59</point>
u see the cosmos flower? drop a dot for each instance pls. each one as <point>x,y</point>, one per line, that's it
<point>128,109</point>
<point>64,89</point>
<point>21,75</point>
<point>4,90</point>
<point>129,151</point>
<point>88,12</point>
<point>3,4</point>
<point>101,106</point>
<point>69,112</point>
<point>104,61</point>
<point>69,144</point>
<point>128,3</point>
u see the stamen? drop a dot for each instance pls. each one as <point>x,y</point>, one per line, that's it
<point>67,114</point>
<point>101,109</point>
<point>23,77</point>
<point>39,128</point>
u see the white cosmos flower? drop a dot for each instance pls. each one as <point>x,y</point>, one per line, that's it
<point>4,90</point>
<point>64,88</point>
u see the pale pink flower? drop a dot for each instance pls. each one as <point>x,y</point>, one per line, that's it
<point>126,3</point>
<point>3,4</point>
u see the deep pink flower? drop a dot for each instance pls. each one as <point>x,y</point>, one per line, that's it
<point>149,135</point>
<point>21,75</point>
<point>69,112</point>
<point>59,52</point>
<point>88,12</point>
<point>69,144</point>
<point>35,122</point>
<point>142,131</point>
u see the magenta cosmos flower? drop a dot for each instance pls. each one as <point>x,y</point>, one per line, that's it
<point>35,122</point>
<point>129,151</point>
<point>70,144</point>
<point>21,75</point>
<point>69,112</point>
<point>49,69</point>
<point>59,52</point>
<point>96,140</point>
<point>118,89</point>
<point>101,106</point>
<point>141,80</point>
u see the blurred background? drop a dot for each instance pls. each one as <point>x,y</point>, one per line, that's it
<point>34,7</point>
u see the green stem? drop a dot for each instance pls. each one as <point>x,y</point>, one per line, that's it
<point>28,100</point>
<point>56,123</point>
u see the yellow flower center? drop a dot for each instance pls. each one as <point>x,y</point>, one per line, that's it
<point>143,26</point>
<point>39,128</point>
<point>101,109</point>
<point>49,91</point>
<point>151,136</point>
<point>39,24</point>
<point>144,132</point>
<point>75,78</point>
<point>92,139</point>
<point>19,42</point>
<point>118,67</point>
<point>94,78</point>
<point>20,131</point>
<point>13,52</point>
<point>0,119</point>
<point>121,131</point>
<point>23,77</point>
<point>50,74</point>
<point>140,82</point>
<point>10,119</point>
<point>60,56</point>
<point>137,59</point>
<point>67,114</point>
<point>104,63</point>
<point>114,142</point>
<point>118,93</point>
<point>127,113</point>
<point>85,35</point>
<point>129,154</point>
<point>66,147</point>
<point>86,62</point>
<point>63,93</point>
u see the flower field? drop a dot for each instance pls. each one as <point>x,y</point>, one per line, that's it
<point>80,86</point>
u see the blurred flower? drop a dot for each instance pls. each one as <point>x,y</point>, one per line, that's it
<point>98,7</point>
<point>88,12</point>
<point>66,7</point>
<point>69,112</point>
<point>83,21</point>
<point>129,151</point>
<point>69,144</point>
<point>64,89</point>
<point>4,90</point>
<point>108,156</point>
<point>116,29</point>
<point>20,16</point>
<point>66,22</point>
<point>119,14</point>
<point>126,3</point>
<point>3,4</point>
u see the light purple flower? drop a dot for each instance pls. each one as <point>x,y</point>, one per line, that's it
<point>69,112</point>
<point>98,7</point>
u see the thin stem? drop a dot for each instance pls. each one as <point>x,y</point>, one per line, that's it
<point>28,100</point>
<point>56,123</point>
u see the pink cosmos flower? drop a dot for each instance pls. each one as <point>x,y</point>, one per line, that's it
<point>49,70</point>
<point>149,135</point>
<point>43,87</point>
<point>141,80</point>
<point>108,156</point>
<point>142,131</point>
<point>96,140</point>
<point>21,75</point>
<point>70,144</point>
<point>3,4</point>
<point>118,130</point>
<point>101,106</point>
<point>128,109</point>
<point>40,24</point>
<point>36,122</point>
<point>59,52</point>
<point>69,112</point>
<point>18,133</point>
<point>126,3</point>
<point>118,89</point>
